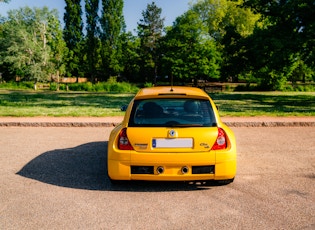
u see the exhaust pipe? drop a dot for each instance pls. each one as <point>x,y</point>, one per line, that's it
<point>160,169</point>
<point>185,170</point>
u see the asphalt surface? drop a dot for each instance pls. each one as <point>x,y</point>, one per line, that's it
<point>55,178</point>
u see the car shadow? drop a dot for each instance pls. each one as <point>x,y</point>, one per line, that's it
<point>84,167</point>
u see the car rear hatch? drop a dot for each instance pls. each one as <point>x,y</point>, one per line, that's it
<point>172,139</point>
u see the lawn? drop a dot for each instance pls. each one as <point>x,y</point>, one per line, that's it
<point>30,103</point>
<point>266,103</point>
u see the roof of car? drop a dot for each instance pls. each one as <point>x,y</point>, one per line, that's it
<point>171,91</point>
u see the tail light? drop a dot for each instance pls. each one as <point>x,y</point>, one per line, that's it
<point>123,142</point>
<point>221,141</point>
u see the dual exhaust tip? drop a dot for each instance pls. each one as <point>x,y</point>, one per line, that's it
<point>183,170</point>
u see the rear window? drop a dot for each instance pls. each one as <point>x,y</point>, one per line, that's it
<point>172,112</point>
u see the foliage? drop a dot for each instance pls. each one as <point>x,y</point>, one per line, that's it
<point>111,85</point>
<point>58,47</point>
<point>293,22</point>
<point>150,30</point>
<point>12,85</point>
<point>218,15</point>
<point>73,35</point>
<point>148,84</point>
<point>283,43</point>
<point>130,44</point>
<point>112,24</point>
<point>269,43</point>
<point>227,23</point>
<point>299,88</point>
<point>189,52</point>
<point>92,47</point>
<point>118,87</point>
<point>30,43</point>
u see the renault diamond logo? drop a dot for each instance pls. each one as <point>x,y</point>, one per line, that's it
<point>172,133</point>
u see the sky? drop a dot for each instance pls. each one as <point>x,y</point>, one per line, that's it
<point>171,9</point>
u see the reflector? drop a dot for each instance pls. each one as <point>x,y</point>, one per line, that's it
<point>220,143</point>
<point>123,142</point>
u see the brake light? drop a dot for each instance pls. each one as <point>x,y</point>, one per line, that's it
<point>221,141</point>
<point>123,142</point>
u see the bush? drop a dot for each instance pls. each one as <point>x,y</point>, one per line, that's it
<point>109,86</point>
<point>88,86</point>
<point>53,86</point>
<point>309,88</point>
<point>17,85</point>
<point>148,84</point>
<point>62,87</point>
<point>305,88</point>
<point>122,87</point>
<point>288,88</point>
<point>247,87</point>
<point>100,87</point>
<point>299,88</point>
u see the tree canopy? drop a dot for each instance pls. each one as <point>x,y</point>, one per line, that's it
<point>31,44</point>
<point>189,51</point>
<point>92,38</point>
<point>283,43</point>
<point>73,35</point>
<point>112,25</point>
<point>150,30</point>
<point>256,41</point>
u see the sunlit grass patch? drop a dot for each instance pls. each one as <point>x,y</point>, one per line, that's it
<point>58,104</point>
<point>265,104</point>
<point>62,104</point>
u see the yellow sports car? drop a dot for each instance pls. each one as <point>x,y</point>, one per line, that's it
<point>172,134</point>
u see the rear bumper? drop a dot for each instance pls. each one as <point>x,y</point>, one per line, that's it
<point>195,170</point>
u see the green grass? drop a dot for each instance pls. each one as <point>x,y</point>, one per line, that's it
<point>31,103</point>
<point>265,103</point>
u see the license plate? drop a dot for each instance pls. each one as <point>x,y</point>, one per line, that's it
<point>172,143</point>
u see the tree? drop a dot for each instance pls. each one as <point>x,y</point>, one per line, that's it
<point>58,47</point>
<point>221,14</point>
<point>288,31</point>
<point>131,56</point>
<point>227,23</point>
<point>92,37</point>
<point>25,43</point>
<point>73,36</point>
<point>112,24</point>
<point>189,51</point>
<point>150,30</point>
<point>290,17</point>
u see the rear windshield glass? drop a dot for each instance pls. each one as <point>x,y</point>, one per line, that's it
<point>174,112</point>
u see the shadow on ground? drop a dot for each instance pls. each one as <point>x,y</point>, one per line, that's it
<point>84,167</point>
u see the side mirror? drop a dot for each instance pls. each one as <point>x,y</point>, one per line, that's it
<point>123,108</point>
